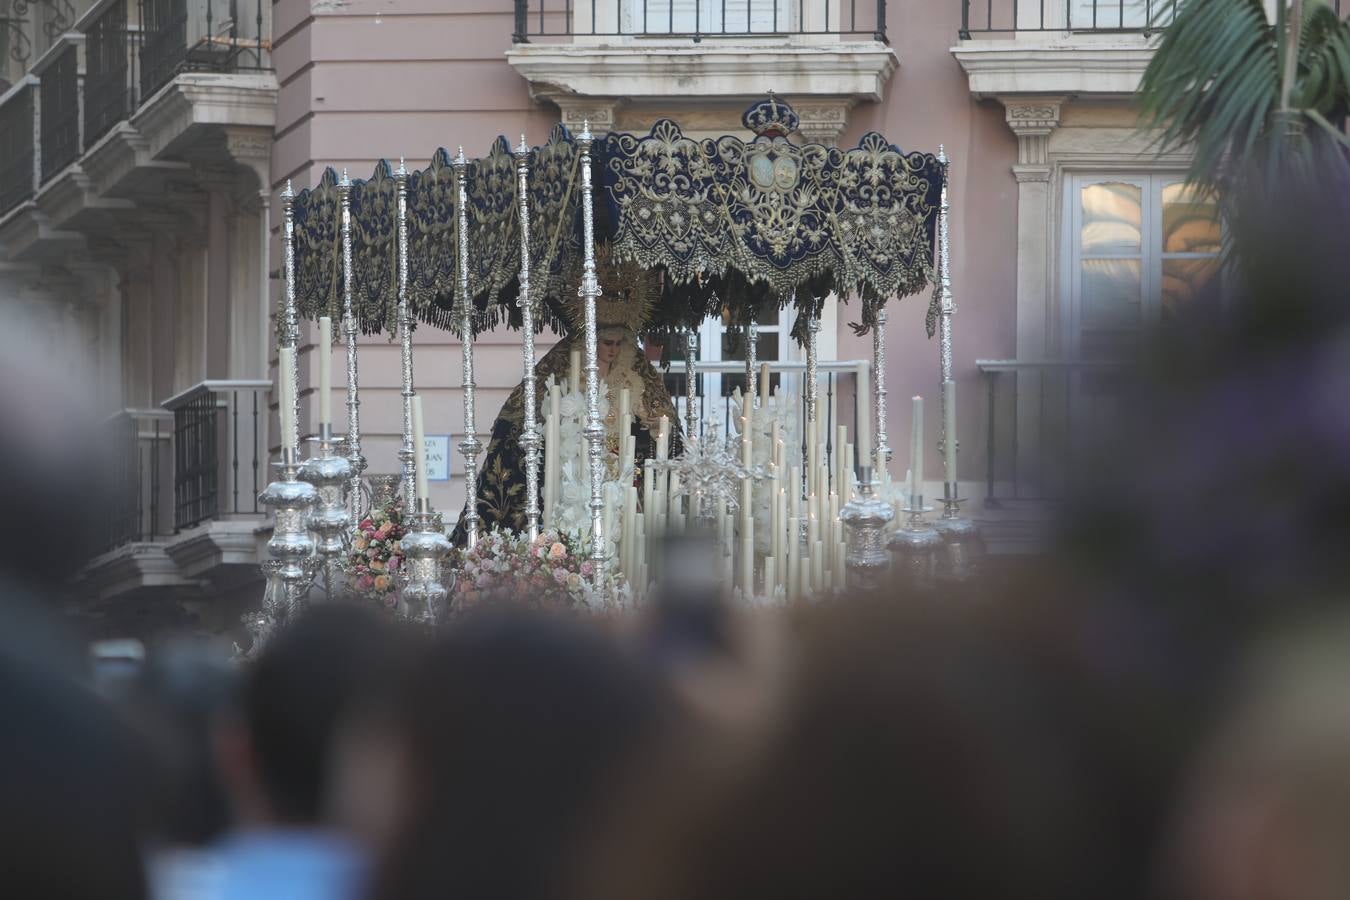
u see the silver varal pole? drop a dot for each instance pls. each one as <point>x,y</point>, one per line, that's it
<point>752,363</point>
<point>470,445</point>
<point>529,438</point>
<point>882,451</point>
<point>690,385</point>
<point>406,453</point>
<point>595,429</point>
<point>964,546</point>
<point>290,317</point>
<point>349,331</point>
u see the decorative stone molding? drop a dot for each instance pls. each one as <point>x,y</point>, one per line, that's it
<point>1033,119</point>
<point>600,112</point>
<point>823,123</point>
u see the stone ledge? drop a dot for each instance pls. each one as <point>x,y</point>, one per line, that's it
<point>1055,65</point>
<point>200,552</point>
<point>132,567</point>
<point>857,70</point>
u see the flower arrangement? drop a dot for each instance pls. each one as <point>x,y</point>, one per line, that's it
<point>551,572</point>
<point>377,556</point>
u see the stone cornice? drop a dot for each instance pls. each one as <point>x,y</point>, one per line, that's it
<point>858,70</point>
<point>1061,65</point>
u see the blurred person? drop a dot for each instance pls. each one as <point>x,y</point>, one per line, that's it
<point>175,702</point>
<point>1266,815</point>
<point>511,735</point>
<point>276,753</point>
<point>70,790</point>
<point>919,749</point>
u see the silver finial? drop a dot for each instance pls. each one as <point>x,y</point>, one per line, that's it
<point>288,193</point>
<point>402,169</point>
<point>459,156</point>
<point>586,131</point>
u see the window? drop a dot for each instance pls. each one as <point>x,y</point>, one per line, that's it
<point>1140,247</point>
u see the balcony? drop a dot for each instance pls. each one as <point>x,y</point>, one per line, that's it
<point>118,103</point>
<point>1060,47</point>
<point>590,57</point>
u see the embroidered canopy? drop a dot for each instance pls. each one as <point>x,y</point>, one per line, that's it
<point>730,221</point>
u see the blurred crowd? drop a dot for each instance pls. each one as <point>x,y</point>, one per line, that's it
<point>1158,709</point>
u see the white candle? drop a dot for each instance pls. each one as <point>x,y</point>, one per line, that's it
<point>864,416</point>
<point>949,415</point>
<point>841,576</point>
<point>420,448</point>
<point>625,412</point>
<point>648,488</point>
<point>663,439</point>
<point>286,395</point>
<point>812,529</point>
<point>848,472</point>
<point>325,370</point>
<point>916,450</point>
<point>763,386</point>
<point>629,531</point>
<point>770,577</point>
<point>804,576</point>
<point>748,560</point>
<point>574,371</point>
<point>794,537</point>
<point>818,566</point>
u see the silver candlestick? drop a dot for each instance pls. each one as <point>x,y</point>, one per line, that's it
<point>330,474</point>
<point>358,462</point>
<point>595,428</point>
<point>291,546</point>
<point>406,454</point>
<point>425,548</point>
<point>917,546</point>
<point>866,520</point>
<point>529,437</point>
<point>752,387</point>
<point>882,450</point>
<point>470,445</point>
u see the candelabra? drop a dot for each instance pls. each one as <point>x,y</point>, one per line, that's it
<point>595,428</point>
<point>470,446</point>
<point>350,333</point>
<point>425,548</point>
<point>330,474</point>
<point>866,520</point>
<point>406,453</point>
<point>917,547</point>
<point>530,438</point>
<point>291,547</point>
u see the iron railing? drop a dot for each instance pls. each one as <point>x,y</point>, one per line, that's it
<point>995,18</point>
<point>210,35</point>
<point>1041,416</point>
<point>139,440</point>
<point>219,449</point>
<point>108,96</point>
<point>698,19</point>
<point>17,173</point>
<point>60,98</point>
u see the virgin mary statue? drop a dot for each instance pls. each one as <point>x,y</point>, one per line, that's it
<point>628,296</point>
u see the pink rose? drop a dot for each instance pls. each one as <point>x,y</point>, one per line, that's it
<point>560,575</point>
<point>557,551</point>
<point>587,569</point>
<point>365,583</point>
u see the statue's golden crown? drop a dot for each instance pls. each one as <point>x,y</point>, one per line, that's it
<point>628,294</point>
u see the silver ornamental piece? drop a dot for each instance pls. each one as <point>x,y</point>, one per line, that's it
<point>290,321</point>
<point>358,462</point>
<point>470,445</point>
<point>918,550</point>
<point>291,547</point>
<point>710,470</point>
<point>330,474</point>
<point>882,450</point>
<point>867,521</point>
<point>529,437</point>
<point>425,548</point>
<point>812,345</point>
<point>595,428</point>
<point>406,454</point>
<point>963,548</point>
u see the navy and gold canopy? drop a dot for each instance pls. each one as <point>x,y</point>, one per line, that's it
<point>726,220</point>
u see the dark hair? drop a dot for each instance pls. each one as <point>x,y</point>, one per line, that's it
<point>299,692</point>
<point>515,728</point>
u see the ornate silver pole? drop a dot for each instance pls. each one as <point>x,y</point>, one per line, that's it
<point>752,361</point>
<point>290,319</point>
<point>809,393</point>
<point>529,438</point>
<point>595,429</point>
<point>964,546</point>
<point>291,547</point>
<point>882,452</point>
<point>470,445</point>
<point>690,385</point>
<point>349,330</point>
<point>406,453</point>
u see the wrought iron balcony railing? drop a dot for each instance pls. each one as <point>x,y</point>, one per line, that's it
<point>18,180</point>
<point>108,57</point>
<point>140,442</point>
<point>1005,18</point>
<point>212,35</point>
<point>698,19</point>
<point>219,450</point>
<point>60,112</point>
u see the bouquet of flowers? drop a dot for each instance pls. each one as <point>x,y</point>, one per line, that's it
<point>551,572</point>
<point>377,555</point>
